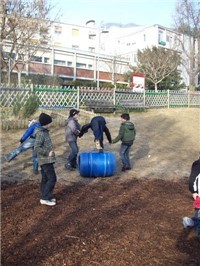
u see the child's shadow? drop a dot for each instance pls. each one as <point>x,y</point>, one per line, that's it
<point>189,244</point>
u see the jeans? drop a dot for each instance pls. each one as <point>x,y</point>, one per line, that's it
<point>48,181</point>
<point>27,144</point>
<point>196,220</point>
<point>72,158</point>
<point>124,154</point>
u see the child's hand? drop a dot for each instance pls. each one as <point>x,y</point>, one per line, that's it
<point>51,153</point>
<point>195,195</point>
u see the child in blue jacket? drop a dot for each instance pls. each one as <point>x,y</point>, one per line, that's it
<point>27,142</point>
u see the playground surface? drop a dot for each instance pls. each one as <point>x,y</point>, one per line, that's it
<point>132,218</point>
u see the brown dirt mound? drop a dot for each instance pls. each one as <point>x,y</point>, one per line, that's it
<point>133,218</point>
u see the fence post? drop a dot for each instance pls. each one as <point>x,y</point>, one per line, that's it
<point>188,98</point>
<point>144,98</point>
<point>78,97</point>
<point>114,95</point>
<point>168,99</point>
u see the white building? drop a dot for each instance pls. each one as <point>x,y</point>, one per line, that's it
<point>99,54</point>
<point>119,43</point>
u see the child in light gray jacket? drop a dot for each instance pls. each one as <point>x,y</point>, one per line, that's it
<point>71,133</point>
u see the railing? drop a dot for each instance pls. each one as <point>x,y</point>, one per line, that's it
<point>76,97</point>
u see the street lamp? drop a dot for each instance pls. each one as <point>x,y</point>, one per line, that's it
<point>98,35</point>
<point>98,61</point>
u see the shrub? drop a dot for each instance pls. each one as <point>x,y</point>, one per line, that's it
<point>30,106</point>
<point>17,106</point>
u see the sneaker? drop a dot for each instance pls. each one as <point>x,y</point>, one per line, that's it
<point>98,146</point>
<point>7,157</point>
<point>47,202</point>
<point>188,222</point>
<point>35,172</point>
<point>53,200</point>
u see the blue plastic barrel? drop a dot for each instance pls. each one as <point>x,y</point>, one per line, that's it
<point>97,164</point>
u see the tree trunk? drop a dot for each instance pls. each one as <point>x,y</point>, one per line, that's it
<point>19,77</point>
<point>156,87</point>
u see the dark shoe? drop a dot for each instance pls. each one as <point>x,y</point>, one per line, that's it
<point>124,169</point>
<point>35,171</point>
<point>8,157</point>
<point>69,167</point>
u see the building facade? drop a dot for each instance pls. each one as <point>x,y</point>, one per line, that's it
<point>99,54</point>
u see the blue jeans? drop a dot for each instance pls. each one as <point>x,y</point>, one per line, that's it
<point>26,145</point>
<point>124,154</point>
<point>48,181</point>
<point>72,158</point>
<point>196,220</point>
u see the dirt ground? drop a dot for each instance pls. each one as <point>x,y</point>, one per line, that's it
<point>132,218</point>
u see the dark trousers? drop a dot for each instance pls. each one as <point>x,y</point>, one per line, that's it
<point>196,220</point>
<point>72,158</point>
<point>48,181</point>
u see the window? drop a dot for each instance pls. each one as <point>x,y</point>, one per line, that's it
<point>161,38</point>
<point>59,62</point>
<point>36,59</point>
<point>75,32</point>
<point>92,36</point>
<point>81,65</point>
<point>46,60</point>
<point>44,30</point>
<point>90,66</point>
<point>75,47</point>
<point>57,43</point>
<point>92,49</point>
<point>57,29</point>
<point>69,64</point>
<point>169,39</point>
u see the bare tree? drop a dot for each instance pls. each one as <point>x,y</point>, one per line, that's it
<point>116,69</point>
<point>187,22</point>
<point>157,63</point>
<point>24,31</point>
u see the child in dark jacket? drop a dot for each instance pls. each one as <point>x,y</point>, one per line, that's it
<point>71,133</point>
<point>194,179</point>
<point>46,159</point>
<point>98,126</point>
<point>194,187</point>
<point>195,220</point>
<point>127,135</point>
<point>27,142</point>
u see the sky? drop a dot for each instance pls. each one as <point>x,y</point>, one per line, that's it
<point>141,12</point>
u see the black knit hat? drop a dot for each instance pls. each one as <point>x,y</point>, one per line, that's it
<point>125,116</point>
<point>73,112</point>
<point>44,119</point>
